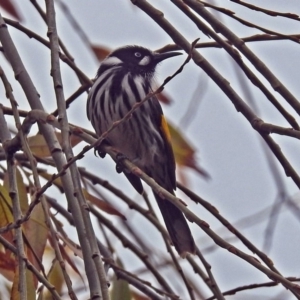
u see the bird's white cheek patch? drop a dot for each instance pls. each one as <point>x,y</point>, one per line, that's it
<point>145,61</point>
<point>110,61</point>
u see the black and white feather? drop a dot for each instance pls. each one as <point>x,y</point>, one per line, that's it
<point>124,78</point>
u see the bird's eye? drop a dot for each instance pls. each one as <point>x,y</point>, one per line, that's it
<point>137,54</point>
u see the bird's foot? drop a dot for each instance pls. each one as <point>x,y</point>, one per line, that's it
<point>119,162</point>
<point>99,151</point>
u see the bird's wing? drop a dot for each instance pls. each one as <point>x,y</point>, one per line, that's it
<point>162,125</point>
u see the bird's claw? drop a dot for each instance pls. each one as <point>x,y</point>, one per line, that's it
<point>100,152</point>
<point>119,162</point>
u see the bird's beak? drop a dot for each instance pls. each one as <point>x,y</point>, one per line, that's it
<point>158,57</point>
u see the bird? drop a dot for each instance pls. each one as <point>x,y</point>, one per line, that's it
<point>125,77</point>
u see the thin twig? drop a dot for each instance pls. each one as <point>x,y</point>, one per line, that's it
<point>225,86</point>
<point>200,9</point>
<point>14,195</point>
<point>90,238</point>
<point>232,15</point>
<point>268,12</point>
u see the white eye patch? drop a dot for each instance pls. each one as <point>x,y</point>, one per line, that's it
<point>110,61</point>
<point>145,61</point>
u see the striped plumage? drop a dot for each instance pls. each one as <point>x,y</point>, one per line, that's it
<point>124,78</point>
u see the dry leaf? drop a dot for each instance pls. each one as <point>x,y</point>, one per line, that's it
<point>101,52</point>
<point>137,296</point>
<point>22,189</point>
<point>30,289</point>
<point>11,8</point>
<point>70,261</point>
<point>74,247</point>
<point>56,278</point>
<point>7,265</point>
<point>39,147</point>
<point>164,98</point>
<point>35,233</point>
<point>57,182</point>
<point>104,206</point>
<point>183,151</point>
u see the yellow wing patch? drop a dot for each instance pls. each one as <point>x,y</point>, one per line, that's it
<point>165,128</point>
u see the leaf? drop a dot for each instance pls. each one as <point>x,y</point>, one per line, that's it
<point>39,147</point>
<point>31,293</point>
<point>35,233</point>
<point>101,52</point>
<point>7,258</point>
<point>137,296</point>
<point>183,151</point>
<point>55,277</point>
<point>164,98</point>
<point>104,206</point>
<point>74,247</point>
<point>74,140</point>
<point>7,265</point>
<point>22,190</point>
<point>10,7</point>
<point>120,288</point>
<point>57,182</point>
<point>71,246</point>
<point>72,264</point>
<point>35,230</point>
<point>6,216</point>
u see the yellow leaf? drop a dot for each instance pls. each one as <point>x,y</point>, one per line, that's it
<point>120,288</point>
<point>38,146</point>
<point>7,258</point>
<point>22,190</point>
<point>35,230</point>
<point>35,233</point>
<point>184,152</point>
<point>55,277</point>
<point>6,216</point>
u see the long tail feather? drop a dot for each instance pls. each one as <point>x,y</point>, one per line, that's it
<point>177,227</point>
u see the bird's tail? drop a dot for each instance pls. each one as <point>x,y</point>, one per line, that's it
<point>177,227</point>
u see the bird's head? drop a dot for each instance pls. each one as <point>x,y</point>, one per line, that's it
<point>136,60</point>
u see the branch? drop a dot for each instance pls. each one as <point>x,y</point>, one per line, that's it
<point>239,44</point>
<point>66,146</point>
<point>14,195</point>
<point>199,60</point>
<point>33,98</point>
<point>238,59</point>
<point>231,14</point>
<point>32,268</point>
<point>253,286</point>
<point>271,13</point>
